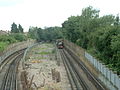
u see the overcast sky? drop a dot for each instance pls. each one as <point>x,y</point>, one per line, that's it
<point>43,13</point>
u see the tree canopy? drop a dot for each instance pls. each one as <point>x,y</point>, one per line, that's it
<point>98,35</point>
<point>15,29</point>
<point>46,34</point>
<point>20,28</point>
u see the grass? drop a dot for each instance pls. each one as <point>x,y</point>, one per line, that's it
<point>53,51</point>
<point>3,45</point>
<point>46,52</point>
<point>39,58</point>
<point>43,48</point>
<point>49,45</point>
<point>43,53</point>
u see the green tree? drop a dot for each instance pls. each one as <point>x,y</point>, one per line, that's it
<point>20,28</point>
<point>116,23</point>
<point>70,28</point>
<point>39,34</point>
<point>32,33</point>
<point>115,46</point>
<point>78,28</point>
<point>98,35</point>
<point>46,34</point>
<point>14,28</point>
<point>19,36</point>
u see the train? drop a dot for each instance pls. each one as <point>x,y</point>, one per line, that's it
<point>60,44</point>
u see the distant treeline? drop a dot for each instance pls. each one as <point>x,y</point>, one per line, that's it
<point>47,34</point>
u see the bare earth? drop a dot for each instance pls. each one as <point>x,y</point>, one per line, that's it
<point>43,67</point>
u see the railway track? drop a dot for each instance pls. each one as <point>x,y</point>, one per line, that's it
<point>79,76</point>
<point>9,81</point>
<point>76,82</point>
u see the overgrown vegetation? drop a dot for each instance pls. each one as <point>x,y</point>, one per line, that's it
<point>3,45</point>
<point>100,36</point>
<point>5,40</point>
<point>16,35</point>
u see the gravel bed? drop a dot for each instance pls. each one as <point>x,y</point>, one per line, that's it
<point>42,66</point>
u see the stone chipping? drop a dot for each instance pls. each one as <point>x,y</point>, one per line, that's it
<point>42,69</point>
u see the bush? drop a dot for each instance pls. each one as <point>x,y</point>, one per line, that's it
<point>7,38</point>
<point>12,38</point>
<point>19,37</point>
<point>3,45</point>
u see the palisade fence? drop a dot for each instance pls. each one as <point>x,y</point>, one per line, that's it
<point>15,47</point>
<point>112,77</point>
<point>106,72</point>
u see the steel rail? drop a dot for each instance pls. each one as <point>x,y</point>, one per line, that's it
<point>77,79</point>
<point>90,76</point>
<point>69,73</point>
<point>9,80</point>
<point>9,59</point>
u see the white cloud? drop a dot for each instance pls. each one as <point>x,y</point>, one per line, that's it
<point>49,12</point>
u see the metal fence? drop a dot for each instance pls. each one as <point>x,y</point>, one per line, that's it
<point>108,74</point>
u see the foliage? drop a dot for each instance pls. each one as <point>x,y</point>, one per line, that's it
<point>19,37</point>
<point>5,40</point>
<point>20,28</point>
<point>70,28</point>
<point>3,45</point>
<point>77,28</point>
<point>47,34</point>
<point>115,46</point>
<point>99,35</point>
<point>32,32</point>
<point>15,29</point>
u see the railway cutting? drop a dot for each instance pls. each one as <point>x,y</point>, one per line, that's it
<point>47,67</point>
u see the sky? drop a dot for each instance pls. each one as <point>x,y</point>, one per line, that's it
<point>47,13</point>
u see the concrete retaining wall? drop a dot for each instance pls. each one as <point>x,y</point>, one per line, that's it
<point>15,47</point>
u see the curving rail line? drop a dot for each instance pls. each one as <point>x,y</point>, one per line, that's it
<point>9,81</point>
